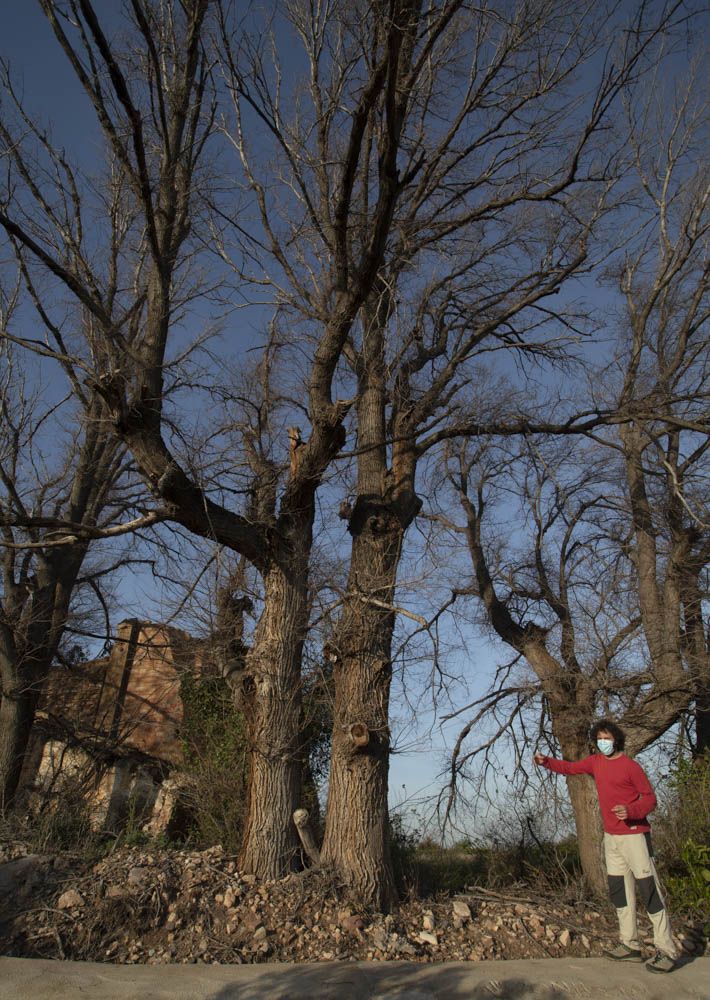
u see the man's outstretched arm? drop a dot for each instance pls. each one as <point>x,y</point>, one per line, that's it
<point>584,766</point>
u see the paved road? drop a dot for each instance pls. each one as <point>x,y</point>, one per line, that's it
<point>548,979</point>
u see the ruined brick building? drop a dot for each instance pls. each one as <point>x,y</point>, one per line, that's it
<point>109,729</point>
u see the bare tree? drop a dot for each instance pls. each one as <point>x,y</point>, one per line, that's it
<point>149,102</point>
<point>559,599</point>
<point>61,469</point>
<point>602,597</point>
<point>402,189</point>
<point>427,325</point>
<point>665,282</point>
<point>114,248</point>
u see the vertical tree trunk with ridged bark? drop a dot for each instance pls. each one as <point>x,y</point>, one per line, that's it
<point>697,650</point>
<point>356,834</point>
<point>270,697</point>
<point>17,709</point>
<point>587,815</point>
<point>590,833</point>
<point>356,839</point>
<point>28,646</point>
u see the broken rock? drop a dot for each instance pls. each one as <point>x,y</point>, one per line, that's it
<point>138,877</point>
<point>70,900</point>
<point>461,910</point>
<point>352,923</point>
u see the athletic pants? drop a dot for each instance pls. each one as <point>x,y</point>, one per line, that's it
<point>629,866</point>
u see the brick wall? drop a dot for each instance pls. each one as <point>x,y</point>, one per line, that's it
<point>130,698</point>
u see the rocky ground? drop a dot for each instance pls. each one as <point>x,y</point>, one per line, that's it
<point>155,906</point>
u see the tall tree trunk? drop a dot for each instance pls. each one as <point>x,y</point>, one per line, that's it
<point>702,723</point>
<point>356,839</point>
<point>588,824</point>
<point>590,833</point>
<point>570,724</point>
<point>270,698</point>
<point>697,647</point>
<point>17,709</point>
<point>26,658</point>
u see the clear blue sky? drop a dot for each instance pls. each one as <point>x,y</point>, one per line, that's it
<point>48,82</point>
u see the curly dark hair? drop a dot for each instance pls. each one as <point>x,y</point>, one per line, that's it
<point>607,726</point>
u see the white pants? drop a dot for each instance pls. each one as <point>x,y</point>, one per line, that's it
<point>629,865</point>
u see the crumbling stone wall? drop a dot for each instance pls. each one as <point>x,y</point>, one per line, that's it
<point>112,726</point>
<point>130,698</point>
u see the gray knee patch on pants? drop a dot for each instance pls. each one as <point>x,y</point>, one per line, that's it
<point>617,890</point>
<point>650,897</point>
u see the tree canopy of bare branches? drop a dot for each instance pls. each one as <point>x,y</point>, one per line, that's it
<point>600,589</point>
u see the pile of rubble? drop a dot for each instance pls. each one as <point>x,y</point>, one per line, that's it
<point>138,906</point>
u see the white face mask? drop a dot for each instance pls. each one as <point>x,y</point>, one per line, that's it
<point>606,747</point>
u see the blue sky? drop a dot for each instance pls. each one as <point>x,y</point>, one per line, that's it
<point>48,82</point>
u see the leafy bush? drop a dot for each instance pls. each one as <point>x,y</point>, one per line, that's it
<point>690,891</point>
<point>683,838</point>
<point>215,763</point>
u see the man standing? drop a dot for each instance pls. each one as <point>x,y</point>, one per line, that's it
<point>625,799</point>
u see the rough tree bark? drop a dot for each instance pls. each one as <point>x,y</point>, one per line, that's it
<point>356,835</point>
<point>29,641</point>
<point>574,744</point>
<point>357,817</point>
<point>270,698</point>
<point>697,646</point>
<point>17,710</point>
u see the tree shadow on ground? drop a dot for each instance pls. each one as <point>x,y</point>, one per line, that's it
<point>450,984</point>
<point>402,981</point>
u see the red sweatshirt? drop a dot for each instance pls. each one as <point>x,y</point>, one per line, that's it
<point>620,782</point>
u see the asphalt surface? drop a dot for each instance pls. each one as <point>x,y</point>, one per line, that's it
<point>548,979</point>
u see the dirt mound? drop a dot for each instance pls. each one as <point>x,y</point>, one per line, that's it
<point>139,906</point>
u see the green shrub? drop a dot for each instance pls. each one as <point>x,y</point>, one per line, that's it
<point>683,838</point>
<point>690,891</point>
<point>215,763</point>
<point>403,849</point>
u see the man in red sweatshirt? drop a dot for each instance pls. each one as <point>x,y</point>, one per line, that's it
<point>625,799</point>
